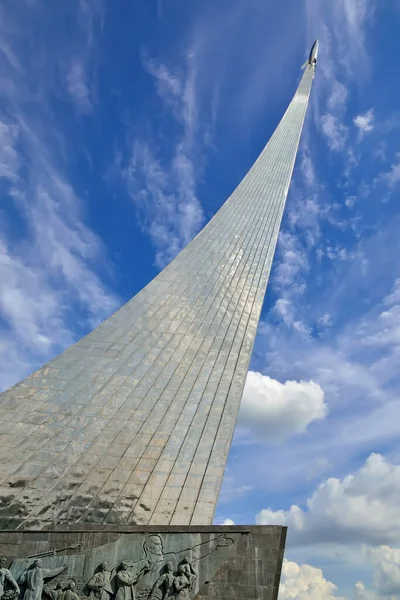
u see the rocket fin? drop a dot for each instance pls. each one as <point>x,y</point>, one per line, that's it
<point>305,64</point>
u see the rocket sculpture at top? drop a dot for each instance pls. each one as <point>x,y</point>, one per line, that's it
<point>313,56</point>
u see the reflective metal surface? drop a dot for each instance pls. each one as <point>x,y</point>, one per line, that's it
<point>133,423</point>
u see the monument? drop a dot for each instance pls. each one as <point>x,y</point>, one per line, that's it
<point>112,455</point>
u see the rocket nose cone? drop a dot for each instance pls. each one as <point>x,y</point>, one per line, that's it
<point>314,51</point>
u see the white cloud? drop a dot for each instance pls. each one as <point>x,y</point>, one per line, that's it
<point>393,176</point>
<point>78,86</point>
<point>27,304</point>
<point>228,522</point>
<point>168,85</point>
<point>50,266</point>
<point>8,154</point>
<point>274,411</point>
<point>307,168</point>
<point>292,264</point>
<point>284,309</point>
<point>345,254</point>
<point>293,261</point>
<point>166,199</point>
<point>361,592</point>
<point>365,122</point>
<point>164,190</point>
<point>350,201</point>
<point>394,296</point>
<point>304,582</point>
<point>363,507</point>
<point>341,26</point>
<point>386,564</point>
<point>356,13</point>
<point>338,96</point>
<point>325,320</point>
<point>335,131</point>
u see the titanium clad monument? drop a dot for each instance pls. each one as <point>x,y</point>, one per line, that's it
<point>132,425</point>
<point>128,431</point>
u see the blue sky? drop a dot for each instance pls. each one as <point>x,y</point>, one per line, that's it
<point>124,126</point>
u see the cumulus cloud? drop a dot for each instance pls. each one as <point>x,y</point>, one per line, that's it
<point>386,569</point>
<point>365,121</point>
<point>304,582</point>
<point>228,522</point>
<point>275,411</point>
<point>360,508</point>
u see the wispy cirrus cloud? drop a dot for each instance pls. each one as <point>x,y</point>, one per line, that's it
<point>8,153</point>
<point>50,268</point>
<point>341,27</point>
<point>335,131</point>
<point>343,61</point>
<point>52,264</point>
<point>163,186</point>
<point>78,87</point>
<point>392,177</point>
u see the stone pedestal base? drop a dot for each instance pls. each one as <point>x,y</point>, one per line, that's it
<point>143,563</point>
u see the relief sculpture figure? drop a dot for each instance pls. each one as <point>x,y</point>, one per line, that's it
<point>126,580</point>
<point>33,578</point>
<point>155,557</point>
<point>188,570</point>
<point>99,584</point>
<point>149,567</point>
<point>163,586</point>
<point>69,592</point>
<point>7,581</point>
<point>181,584</point>
<point>54,591</point>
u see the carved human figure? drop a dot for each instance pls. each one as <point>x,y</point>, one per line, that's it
<point>188,570</point>
<point>33,578</point>
<point>126,580</point>
<point>163,586</point>
<point>54,592</point>
<point>181,585</point>
<point>69,592</point>
<point>6,579</point>
<point>153,549</point>
<point>148,568</point>
<point>99,584</point>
